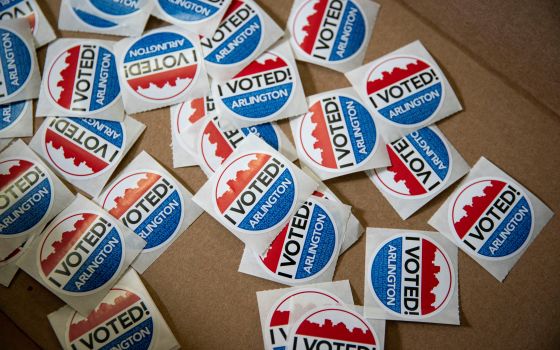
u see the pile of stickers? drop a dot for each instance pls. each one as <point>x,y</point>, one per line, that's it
<point>229,73</point>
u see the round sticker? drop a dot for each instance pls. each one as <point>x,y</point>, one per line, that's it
<point>338,133</point>
<point>188,113</point>
<point>81,253</point>
<point>83,147</point>
<point>239,35</point>
<point>191,11</point>
<point>255,192</point>
<point>332,327</point>
<point>17,63</point>
<point>491,218</point>
<point>217,145</point>
<point>12,113</point>
<point>411,276</point>
<point>83,79</point>
<point>161,66</point>
<point>329,30</point>
<point>420,165</point>
<point>26,196</point>
<point>150,204</point>
<point>92,20</point>
<point>405,90</point>
<point>261,90</point>
<point>300,301</point>
<point>11,9</point>
<point>121,320</point>
<point>118,8</point>
<point>305,248</point>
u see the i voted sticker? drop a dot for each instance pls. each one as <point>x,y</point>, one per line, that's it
<point>306,247</point>
<point>12,113</point>
<point>150,204</point>
<point>191,11</point>
<point>411,276</point>
<point>93,20</point>
<point>118,8</point>
<point>16,62</point>
<point>83,148</point>
<point>491,218</point>
<point>81,254</point>
<point>26,196</point>
<point>121,320</point>
<point>10,9</point>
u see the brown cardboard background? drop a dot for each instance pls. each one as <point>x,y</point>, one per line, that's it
<point>209,305</point>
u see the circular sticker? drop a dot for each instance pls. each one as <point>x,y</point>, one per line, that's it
<point>411,276</point>
<point>17,63</point>
<point>405,90</point>
<point>150,204</point>
<point>83,147</point>
<point>305,248</point>
<point>300,302</point>
<point>188,113</point>
<point>121,320</point>
<point>119,8</point>
<point>255,193</point>
<point>82,79</point>
<point>11,114</point>
<point>92,20</point>
<point>161,66</point>
<point>421,164</point>
<point>338,133</point>
<point>236,39</point>
<point>332,327</point>
<point>216,144</point>
<point>191,11</point>
<point>491,218</point>
<point>329,30</point>
<point>11,9</point>
<point>81,254</point>
<point>261,90</point>
<point>26,196</point>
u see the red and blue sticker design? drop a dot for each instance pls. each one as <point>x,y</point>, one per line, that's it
<point>333,327</point>
<point>118,8</point>
<point>420,165</point>
<point>121,321</point>
<point>405,90</point>
<point>492,218</point>
<point>83,79</point>
<point>255,192</point>
<point>161,66</point>
<point>217,145</point>
<point>411,276</point>
<point>148,203</point>
<point>16,63</point>
<point>261,90</point>
<point>330,30</point>
<point>343,133</point>
<point>238,36</point>
<point>306,246</point>
<point>81,254</point>
<point>11,114</point>
<point>93,20</point>
<point>191,11</point>
<point>83,147</point>
<point>11,9</point>
<point>26,195</point>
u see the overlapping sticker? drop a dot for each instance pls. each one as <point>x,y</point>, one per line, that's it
<point>16,119</point>
<point>30,10</point>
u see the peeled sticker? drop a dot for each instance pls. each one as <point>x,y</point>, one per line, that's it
<point>81,254</point>
<point>335,327</point>
<point>338,135</point>
<point>267,89</point>
<point>151,202</point>
<point>411,276</point>
<point>492,218</point>
<point>20,78</point>
<point>405,90</point>
<point>163,67</point>
<point>30,10</point>
<point>8,267</point>
<point>277,307</point>
<point>255,192</point>
<point>126,318</point>
<point>423,164</point>
<point>16,119</point>
<point>30,196</point>
<point>200,17</point>
<point>85,151</point>
<point>183,117</point>
<point>111,17</point>
<point>244,33</point>
<point>80,80</point>
<point>332,33</point>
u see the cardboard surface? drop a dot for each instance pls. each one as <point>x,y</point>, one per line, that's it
<point>209,305</point>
